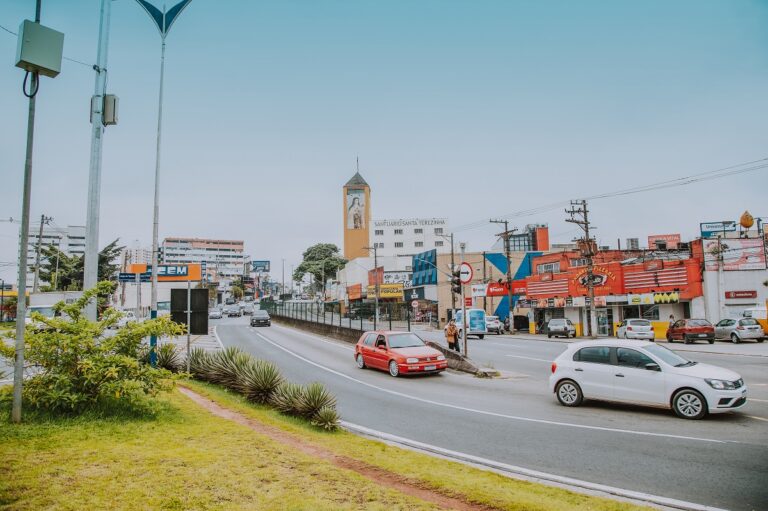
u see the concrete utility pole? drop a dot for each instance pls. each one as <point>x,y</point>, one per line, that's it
<point>464,318</point>
<point>579,209</point>
<point>505,235</point>
<point>44,220</point>
<point>91,259</point>
<point>376,283</point>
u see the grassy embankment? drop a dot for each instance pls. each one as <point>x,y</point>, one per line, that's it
<point>187,458</point>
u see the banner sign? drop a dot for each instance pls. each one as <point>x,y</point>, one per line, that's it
<point>713,229</point>
<point>171,272</point>
<point>479,290</point>
<point>386,291</point>
<point>260,266</point>
<point>736,254</point>
<point>732,295</point>
<point>398,277</point>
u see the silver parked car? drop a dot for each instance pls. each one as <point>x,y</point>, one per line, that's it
<point>635,329</point>
<point>492,324</point>
<point>562,327</point>
<point>737,330</point>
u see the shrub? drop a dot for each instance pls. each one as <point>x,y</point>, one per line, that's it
<point>227,365</point>
<point>168,357</point>
<point>81,367</point>
<point>258,380</point>
<point>200,364</point>
<point>326,418</point>
<point>314,398</point>
<point>287,398</point>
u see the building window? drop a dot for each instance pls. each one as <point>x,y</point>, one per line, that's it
<point>579,262</point>
<point>379,232</point>
<point>419,244</point>
<point>398,231</point>
<point>418,231</point>
<point>439,230</point>
<point>438,243</point>
<point>378,245</point>
<point>548,268</point>
<point>398,244</point>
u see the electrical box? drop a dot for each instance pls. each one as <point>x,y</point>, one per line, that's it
<point>108,108</point>
<point>39,49</point>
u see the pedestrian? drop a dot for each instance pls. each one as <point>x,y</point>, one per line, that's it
<point>452,336</point>
<point>671,320</point>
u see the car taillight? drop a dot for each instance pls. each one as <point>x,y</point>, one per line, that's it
<point>629,328</point>
<point>554,367</point>
<point>740,328</point>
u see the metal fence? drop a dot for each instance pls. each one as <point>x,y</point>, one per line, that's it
<point>363,317</point>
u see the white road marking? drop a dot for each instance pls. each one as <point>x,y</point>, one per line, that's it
<point>529,358</point>
<point>757,418</point>
<point>522,473</point>
<point>316,338</point>
<point>484,412</point>
<point>216,335</point>
<point>758,400</point>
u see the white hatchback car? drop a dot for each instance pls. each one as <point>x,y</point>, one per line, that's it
<point>635,329</point>
<point>644,373</point>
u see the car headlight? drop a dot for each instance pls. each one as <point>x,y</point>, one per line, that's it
<point>720,384</point>
<point>441,357</point>
<point>411,360</point>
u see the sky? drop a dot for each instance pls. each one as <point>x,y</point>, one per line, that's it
<point>468,110</point>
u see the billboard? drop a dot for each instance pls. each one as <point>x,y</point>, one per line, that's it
<point>260,266</point>
<point>171,272</point>
<point>715,229</point>
<point>386,291</point>
<point>670,240</point>
<point>355,209</point>
<point>736,254</point>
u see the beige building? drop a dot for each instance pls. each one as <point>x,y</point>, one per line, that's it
<point>357,217</point>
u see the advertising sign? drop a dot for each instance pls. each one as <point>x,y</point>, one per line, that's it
<point>171,272</point>
<point>579,301</point>
<point>468,301</point>
<point>732,295</point>
<point>386,291</point>
<point>670,240</point>
<point>714,229</point>
<point>643,299</point>
<point>736,254</point>
<point>479,290</point>
<point>355,209</point>
<point>398,277</point>
<point>673,297</point>
<point>355,292</point>
<point>260,266</point>
<point>376,274</point>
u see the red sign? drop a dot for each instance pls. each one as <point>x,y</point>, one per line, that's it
<point>730,295</point>
<point>671,240</point>
<point>373,275</point>
<point>355,292</point>
<point>468,301</point>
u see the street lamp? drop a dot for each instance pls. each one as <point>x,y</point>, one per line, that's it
<point>164,20</point>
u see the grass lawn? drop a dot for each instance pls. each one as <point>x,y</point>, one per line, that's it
<point>187,458</point>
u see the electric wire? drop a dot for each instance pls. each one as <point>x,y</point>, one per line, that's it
<point>63,57</point>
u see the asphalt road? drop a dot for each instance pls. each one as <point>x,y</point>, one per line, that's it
<point>721,461</point>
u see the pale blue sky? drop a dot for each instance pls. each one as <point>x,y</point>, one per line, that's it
<point>463,109</point>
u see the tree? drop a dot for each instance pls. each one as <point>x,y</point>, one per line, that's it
<point>321,261</point>
<point>237,292</point>
<point>69,276</point>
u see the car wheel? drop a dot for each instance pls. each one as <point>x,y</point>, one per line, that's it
<point>481,336</point>
<point>686,339</point>
<point>360,361</point>
<point>669,339</point>
<point>549,336</point>
<point>761,339</point>
<point>711,341</point>
<point>689,404</point>
<point>393,369</point>
<point>569,393</point>
<point>735,339</point>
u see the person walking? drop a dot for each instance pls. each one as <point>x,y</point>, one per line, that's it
<point>671,320</point>
<point>452,336</point>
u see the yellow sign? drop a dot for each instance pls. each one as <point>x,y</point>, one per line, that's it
<point>387,291</point>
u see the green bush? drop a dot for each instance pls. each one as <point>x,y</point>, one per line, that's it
<point>287,398</point>
<point>80,367</point>
<point>326,418</point>
<point>258,379</point>
<point>227,365</point>
<point>200,364</point>
<point>314,398</point>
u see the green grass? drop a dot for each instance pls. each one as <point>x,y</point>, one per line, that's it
<point>478,486</point>
<point>183,458</point>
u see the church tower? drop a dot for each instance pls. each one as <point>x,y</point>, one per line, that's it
<point>357,217</point>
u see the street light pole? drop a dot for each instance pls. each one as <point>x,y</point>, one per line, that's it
<point>375,283</point>
<point>464,319</point>
<point>91,259</point>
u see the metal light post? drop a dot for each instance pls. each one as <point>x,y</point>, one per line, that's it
<point>91,259</point>
<point>163,19</point>
<point>376,283</point>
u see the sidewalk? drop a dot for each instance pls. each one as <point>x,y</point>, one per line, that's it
<point>206,342</point>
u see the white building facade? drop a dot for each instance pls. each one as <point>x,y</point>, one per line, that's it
<point>70,240</point>
<point>409,236</point>
<point>222,259</point>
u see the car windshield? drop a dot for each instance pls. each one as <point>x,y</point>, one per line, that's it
<point>668,356</point>
<point>639,322</point>
<point>405,341</point>
<point>48,312</point>
<point>260,314</point>
<point>699,322</point>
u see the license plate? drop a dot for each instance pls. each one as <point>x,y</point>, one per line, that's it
<point>702,335</point>
<point>430,368</point>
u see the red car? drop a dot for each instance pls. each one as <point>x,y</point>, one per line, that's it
<point>399,353</point>
<point>690,330</point>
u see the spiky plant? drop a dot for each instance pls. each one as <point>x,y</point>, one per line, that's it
<point>227,365</point>
<point>286,397</point>
<point>326,418</point>
<point>168,357</point>
<point>314,398</point>
<point>200,364</point>
<point>258,380</point>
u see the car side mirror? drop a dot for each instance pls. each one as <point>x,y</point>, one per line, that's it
<point>652,367</point>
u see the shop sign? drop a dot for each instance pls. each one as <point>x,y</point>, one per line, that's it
<point>468,301</point>
<point>376,273</point>
<point>541,303</point>
<point>172,272</point>
<point>479,290</point>
<point>494,289</point>
<point>415,293</point>
<point>559,302</point>
<point>616,299</point>
<point>643,299</point>
<point>671,240</point>
<point>673,297</point>
<point>600,301</point>
<point>600,277</point>
<point>397,277</point>
<point>736,254</point>
<point>732,295</point>
<point>355,292</point>
<point>386,291</point>
<point>714,229</point>
<point>579,301</point>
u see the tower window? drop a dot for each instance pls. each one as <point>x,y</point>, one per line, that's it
<point>398,231</point>
<point>398,244</point>
<point>379,232</point>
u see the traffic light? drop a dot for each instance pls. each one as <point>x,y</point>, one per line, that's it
<point>456,282</point>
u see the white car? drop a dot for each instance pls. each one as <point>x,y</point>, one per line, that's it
<point>644,373</point>
<point>739,329</point>
<point>562,327</point>
<point>127,317</point>
<point>492,324</point>
<point>635,329</point>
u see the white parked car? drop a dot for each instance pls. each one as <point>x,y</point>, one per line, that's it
<point>635,329</point>
<point>644,373</point>
<point>492,324</point>
<point>737,330</point>
<point>562,327</point>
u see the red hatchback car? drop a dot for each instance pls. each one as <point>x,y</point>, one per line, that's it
<point>690,330</point>
<point>399,353</point>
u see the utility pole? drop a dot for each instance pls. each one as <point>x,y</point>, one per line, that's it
<point>505,235</point>
<point>464,319</point>
<point>376,283</point>
<point>44,220</point>
<point>283,285</point>
<point>453,267</point>
<point>580,216</point>
<point>91,259</point>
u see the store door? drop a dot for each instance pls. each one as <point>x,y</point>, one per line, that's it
<point>603,322</point>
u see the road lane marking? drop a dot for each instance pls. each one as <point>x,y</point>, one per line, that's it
<point>529,358</point>
<point>316,338</point>
<point>757,418</point>
<point>492,414</point>
<point>758,400</point>
<point>216,335</point>
<point>521,472</point>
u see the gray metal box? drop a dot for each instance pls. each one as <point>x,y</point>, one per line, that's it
<point>39,49</point>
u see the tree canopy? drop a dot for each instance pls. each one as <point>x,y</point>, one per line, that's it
<point>321,261</point>
<point>69,276</point>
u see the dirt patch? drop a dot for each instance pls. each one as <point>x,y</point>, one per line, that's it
<point>378,475</point>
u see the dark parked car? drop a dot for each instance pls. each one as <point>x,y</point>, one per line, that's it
<point>260,318</point>
<point>690,330</point>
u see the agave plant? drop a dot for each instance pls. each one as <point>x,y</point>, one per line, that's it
<point>168,357</point>
<point>286,397</point>
<point>314,398</point>
<point>227,365</point>
<point>326,418</point>
<point>258,379</point>
<point>200,364</point>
